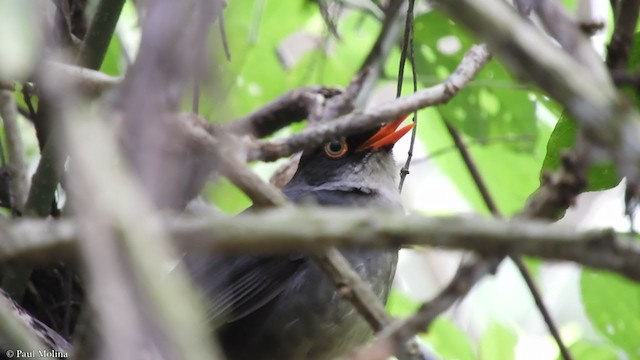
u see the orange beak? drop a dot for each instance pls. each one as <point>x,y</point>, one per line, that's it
<point>387,135</point>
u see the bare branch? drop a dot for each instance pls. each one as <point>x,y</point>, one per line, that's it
<point>466,277</point>
<point>268,232</point>
<point>91,83</point>
<point>296,105</point>
<point>312,137</point>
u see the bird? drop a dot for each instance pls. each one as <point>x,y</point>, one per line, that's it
<point>283,306</point>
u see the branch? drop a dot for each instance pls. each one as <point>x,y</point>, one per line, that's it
<point>377,57</point>
<point>294,106</point>
<point>466,277</point>
<point>567,32</point>
<point>89,82</point>
<point>309,138</point>
<point>96,41</point>
<point>270,231</point>
<point>619,49</point>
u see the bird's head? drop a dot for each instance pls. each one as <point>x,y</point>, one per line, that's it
<point>361,163</point>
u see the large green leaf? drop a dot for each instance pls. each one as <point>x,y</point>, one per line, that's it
<point>494,112</point>
<point>613,306</point>
<point>493,104</point>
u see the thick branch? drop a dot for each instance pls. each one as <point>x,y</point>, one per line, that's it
<point>565,30</point>
<point>270,231</point>
<point>125,248</point>
<point>294,106</point>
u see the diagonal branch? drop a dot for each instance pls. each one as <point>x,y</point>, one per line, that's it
<point>312,137</point>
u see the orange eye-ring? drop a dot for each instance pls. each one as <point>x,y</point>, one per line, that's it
<point>336,149</point>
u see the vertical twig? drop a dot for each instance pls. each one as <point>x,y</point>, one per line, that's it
<point>408,44</point>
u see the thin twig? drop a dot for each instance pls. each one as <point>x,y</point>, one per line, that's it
<point>386,40</point>
<point>408,44</point>
<point>466,277</point>
<point>473,169</point>
<point>476,142</point>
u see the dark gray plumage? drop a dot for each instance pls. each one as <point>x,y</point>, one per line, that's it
<point>284,307</point>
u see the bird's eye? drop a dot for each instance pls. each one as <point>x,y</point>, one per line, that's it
<point>336,149</point>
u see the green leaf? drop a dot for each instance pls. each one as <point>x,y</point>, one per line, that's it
<point>498,342</point>
<point>449,341</point>
<point>493,104</point>
<point>401,305</point>
<point>496,116</point>
<point>586,350</point>
<point>226,197</point>
<point>113,57</point>
<point>255,75</point>
<point>613,306</point>
<point>601,176</point>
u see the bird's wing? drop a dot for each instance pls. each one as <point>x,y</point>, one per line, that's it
<point>238,286</point>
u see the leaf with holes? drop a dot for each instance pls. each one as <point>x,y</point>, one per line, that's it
<point>613,306</point>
